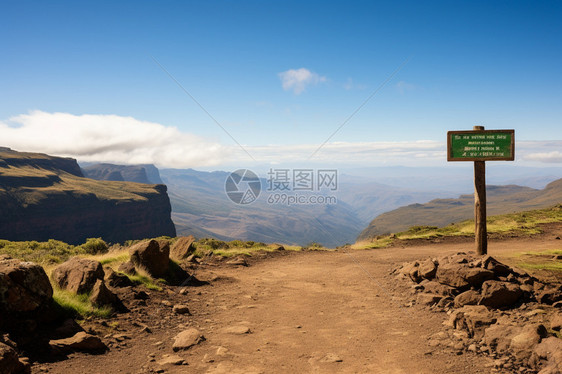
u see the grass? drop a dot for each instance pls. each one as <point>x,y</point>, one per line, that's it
<point>206,246</point>
<point>521,224</point>
<point>79,305</point>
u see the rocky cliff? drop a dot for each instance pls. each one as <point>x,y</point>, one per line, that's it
<point>44,197</point>
<point>146,173</point>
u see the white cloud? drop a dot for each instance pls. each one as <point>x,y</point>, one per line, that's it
<point>109,138</point>
<point>351,85</point>
<point>546,157</point>
<point>297,80</point>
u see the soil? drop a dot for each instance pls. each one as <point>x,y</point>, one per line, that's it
<point>306,312</point>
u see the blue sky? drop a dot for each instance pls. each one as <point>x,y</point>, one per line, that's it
<point>493,63</point>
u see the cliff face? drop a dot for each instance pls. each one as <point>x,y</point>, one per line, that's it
<point>44,197</point>
<point>132,173</point>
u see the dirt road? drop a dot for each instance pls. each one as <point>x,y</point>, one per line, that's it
<point>309,312</point>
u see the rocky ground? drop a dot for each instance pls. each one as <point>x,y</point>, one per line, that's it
<point>320,312</point>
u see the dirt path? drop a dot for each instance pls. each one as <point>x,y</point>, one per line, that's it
<point>310,312</point>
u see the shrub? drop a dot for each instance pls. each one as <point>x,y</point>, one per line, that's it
<point>94,246</point>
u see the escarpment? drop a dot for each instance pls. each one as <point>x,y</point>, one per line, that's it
<point>44,197</point>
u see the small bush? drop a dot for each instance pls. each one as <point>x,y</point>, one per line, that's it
<point>94,246</point>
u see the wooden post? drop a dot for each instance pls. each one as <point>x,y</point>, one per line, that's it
<point>480,230</point>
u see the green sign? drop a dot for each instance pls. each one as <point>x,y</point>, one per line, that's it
<point>480,145</point>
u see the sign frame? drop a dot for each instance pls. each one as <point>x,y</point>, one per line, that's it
<point>450,135</point>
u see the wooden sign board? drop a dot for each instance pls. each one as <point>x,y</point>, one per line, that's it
<point>481,145</point>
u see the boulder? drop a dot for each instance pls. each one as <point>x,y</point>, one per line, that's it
<point>556,321</point>
<point>473,319</point>
<point>114,279</point>
<point>82,342</point>
<point>525,340</point>
<point>187,339</point>
<point>24,286</point>
<point>182,248</point>
<point>498,337</point>
<point>499,269</point>
<point>470,297</point>
<point>78,274</point>
<point>461,276</point>
<point>549,295</point>
<point>127,268</point>
<point>67,329</point>
<point>547,356</point>
<point>428,299</point>
<point>497,294</point>
<point>438,288</point>
<point>427,269</point>
<point>101,295</point>
<point>10,362</point>
<point>152,255</point>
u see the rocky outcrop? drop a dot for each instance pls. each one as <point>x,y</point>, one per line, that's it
<point>131,173</point>
<point>44,197</point>
<point>182,248</point>
<point>152,256</point>
<point>24,286</point>
<point>493,309</point>
<point>78,275</point>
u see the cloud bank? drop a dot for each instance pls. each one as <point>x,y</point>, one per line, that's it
<point>297,80</point>
<point>109,138</point>
<point>126,140</point>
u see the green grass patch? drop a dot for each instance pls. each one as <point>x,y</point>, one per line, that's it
<point>521,224</point>
<point>79,305</point>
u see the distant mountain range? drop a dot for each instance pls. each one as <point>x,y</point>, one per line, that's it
<point>44,197</point>
<point>441,212</point>
<point>201,207</point>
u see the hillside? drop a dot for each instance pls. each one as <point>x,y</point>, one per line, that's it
<point>441,212</point>
<point>44,197</point>
<point>201,207</point>
<point>131,173</point>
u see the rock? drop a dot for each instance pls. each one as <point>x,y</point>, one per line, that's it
<point>68,328</point>
<point>473,319</point>
<point>499,269</point>
<point>462,277</point>
<point>524,342</point>
<point>181,309</point>
<point>187,339</point>
<point>118,280</point>
<point>101,295</point>
<point>182,248</point>
<point>498,337</point>
<point>470,297</point>
<point>549,296</point>
<point>152,255</point>
<point>427,269</point>
<point>127,268</point>
<point>498,294</point>
<point>78,275</point>
<point>556,321</point>
<point>10,362</point>
<point>82,342</point>
<point>238,261</point>
<point>548,356</point>
<point>428,299</point>
<point>24,286</point>
<point>237,330</point>
<point>438,288</point>
<point>171,360</point>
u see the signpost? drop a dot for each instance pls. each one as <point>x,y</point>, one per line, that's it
<point>479,146</point>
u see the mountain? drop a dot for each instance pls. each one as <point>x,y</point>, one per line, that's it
<point>200,206</point>
<point>441,212</point>
<point>44,197</point>
<point>147,173</point>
